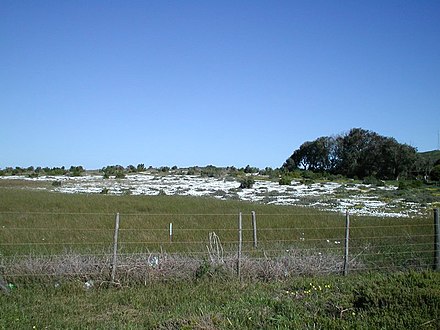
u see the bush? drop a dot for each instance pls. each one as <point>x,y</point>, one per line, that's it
<point>373,181</point>
<point>410,184</point>
<point>56,184</point>
<point>120,175</point>
<point>76,170</point>
<point>309,175</point>
<point>211,171</point>
<point>247,182</point>
<point>285,181</point>
<point>191,171</point>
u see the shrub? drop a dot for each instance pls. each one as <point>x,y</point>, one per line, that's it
<point>140,168</point>
<point>76,170</point>
<point>56,184</point>
<point>211,171</point>
<point>191,171</point>
<point>120,175</point>
<point>309,175</point>
<point>410,184</point>
<point>373,181</point>
<point>285,181</point>
<point>247,182</point>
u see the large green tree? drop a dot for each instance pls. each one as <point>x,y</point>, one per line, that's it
<point>359,153</point>
<point>313,155</point>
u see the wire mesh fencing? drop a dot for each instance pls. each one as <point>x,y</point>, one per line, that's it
<point>147,246</point>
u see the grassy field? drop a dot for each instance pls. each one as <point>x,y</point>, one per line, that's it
<point>46,223</point>
<point>39,228</point>
<point>367,301</point>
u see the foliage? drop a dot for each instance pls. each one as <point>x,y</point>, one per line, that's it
<point>358,154</point>
<point>248,169</point>
<point>33,172</point>
<point>432,156</point>
<point>435,173</point>
<point>316,155</point>
<point>141,168</point>
<point>120,175</point>
<point>207,269</point>
<point>373,181</point>
<point>247,182</point>
<point>76,170</point>
<point>191,171</point>
<point>211,171</point>
<point>164,169</point>
<point>56,183</point>
<point>285,181</point>
<point>112,170</point>
<point>131,169</point>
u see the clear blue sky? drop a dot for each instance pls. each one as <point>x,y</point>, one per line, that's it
<point>186,83</point>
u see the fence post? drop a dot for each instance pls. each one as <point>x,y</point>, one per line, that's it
<point>115,247</point>
<point>347,237</point>
<point>436,241</point>
<point>240,241</point>
<point>254,227</point>
<point>171,232</point>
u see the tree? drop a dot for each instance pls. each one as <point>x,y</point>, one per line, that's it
<point>359,153</point>
<point>352,154</point>
<point>317,156</point>
<point>435,173</point>
<point>131,169</point>
<point>76,170</point>
<point>247,182</point>
<point>140,168</point>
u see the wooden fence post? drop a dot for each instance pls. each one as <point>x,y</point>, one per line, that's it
<point>240,242</point>
<point>347,237</point>
<point>436,241</point>
<point>115,247</point>
<point>254,227</point>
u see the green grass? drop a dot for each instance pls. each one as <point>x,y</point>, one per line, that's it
<point>368,301</point>
<point>211,298</point>
<point>47,223</point>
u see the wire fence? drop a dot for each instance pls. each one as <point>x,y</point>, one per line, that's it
<point>147,246</point>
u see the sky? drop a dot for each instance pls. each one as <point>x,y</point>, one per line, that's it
<point>224,83</point>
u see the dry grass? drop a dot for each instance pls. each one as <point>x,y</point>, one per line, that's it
<point>150,267</point>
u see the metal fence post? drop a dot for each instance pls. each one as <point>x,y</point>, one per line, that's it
<point>115,247</point>
<point>436,241</point>
<point>254,227</point>
<point>347,237</point>
<point>240,242</point>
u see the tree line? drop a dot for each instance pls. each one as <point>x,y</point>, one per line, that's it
<point>359,154</point>
<point>32,171</point>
